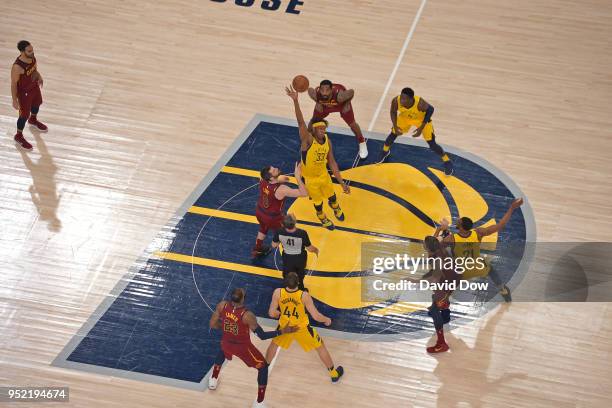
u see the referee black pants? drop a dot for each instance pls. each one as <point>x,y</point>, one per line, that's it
<point>297,264</point>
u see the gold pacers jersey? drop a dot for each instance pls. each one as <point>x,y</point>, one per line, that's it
<point>409,116</point>
<point>469,247</point>
<point>292,309</point>
<point>466,247</point>
<point>314,160</point>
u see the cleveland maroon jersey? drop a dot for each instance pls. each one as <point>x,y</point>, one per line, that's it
<point>267,199</point>
<point>332,102</point>
<point>234,329</point>
<point>441,296</point>
<point>26,82</point>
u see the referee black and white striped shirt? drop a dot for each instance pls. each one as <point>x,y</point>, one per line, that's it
<point>294,243</point>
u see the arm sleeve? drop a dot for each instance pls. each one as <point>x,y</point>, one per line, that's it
<point>428,114</point>
<point>266,335</point>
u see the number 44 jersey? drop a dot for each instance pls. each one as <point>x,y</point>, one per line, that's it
<point>292,309</point>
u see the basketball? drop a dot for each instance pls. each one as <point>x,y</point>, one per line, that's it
<point>300,83</point>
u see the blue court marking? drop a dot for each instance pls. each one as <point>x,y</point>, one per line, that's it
<point>158,325</point>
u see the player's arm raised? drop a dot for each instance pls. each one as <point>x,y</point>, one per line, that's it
<point>312,93</point>
<point>305,135</point>
<point>442,227</point>
<point>331,160</point>
<point>16,72</point>
<point>273,311</point>
<point>484,231</point>
<point>286,191</point>
<point>344,96</point>
<point>251,321</point>
<point>312,309</point>
<point>393,112</point>
<point>429,110</point>
<point>447,239</point>
<point>215,319</point>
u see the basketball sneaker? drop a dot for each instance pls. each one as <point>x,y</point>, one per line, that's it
<point>260,253</point>
<point>449,169</point>
<point>340,372</point>
<point>363,150</point>
<point>37,124</point>
<point>438,348</point>
<point>20,140</point>
<point>383,156</point>
<point>326,222</point>
<point>212,383</point>
<point>259,404</point>
<point>338,213</point>
<point>505,292</point>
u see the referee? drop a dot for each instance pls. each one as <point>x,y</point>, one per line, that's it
<point>295,243</point>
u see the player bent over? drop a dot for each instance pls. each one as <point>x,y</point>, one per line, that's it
<point>289,305</point>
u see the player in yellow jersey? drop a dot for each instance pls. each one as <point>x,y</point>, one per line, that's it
<point>317,154</point>
<point>465,243</point>
<point>289,305</point>
<point>408,110</point>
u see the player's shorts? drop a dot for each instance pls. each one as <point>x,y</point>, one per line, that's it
<point>268,221</point>
<point>247,352</point>
<point>27,99</point>
<point>307,338</point>
<point>345,109</point>
<point>428,130</point>
<point>319,188</point>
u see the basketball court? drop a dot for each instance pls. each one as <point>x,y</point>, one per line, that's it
<point>134,215</point>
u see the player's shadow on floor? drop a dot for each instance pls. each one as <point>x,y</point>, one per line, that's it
<point>43,189</point>
<point>463,373</point>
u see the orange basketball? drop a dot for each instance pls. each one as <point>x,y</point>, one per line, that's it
<point>300,83</point>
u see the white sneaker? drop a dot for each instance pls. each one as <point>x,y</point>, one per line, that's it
<point>212,383</point>
<point>259,404</point>
<point>363,150</point>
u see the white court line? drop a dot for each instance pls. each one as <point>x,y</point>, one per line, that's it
<point>400,57</point>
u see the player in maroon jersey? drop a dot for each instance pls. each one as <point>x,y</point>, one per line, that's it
<point>330,98</point>
<point>440,305</point>
<point>26,82</point>
<point>269,210</point>
<point>237,323</point>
